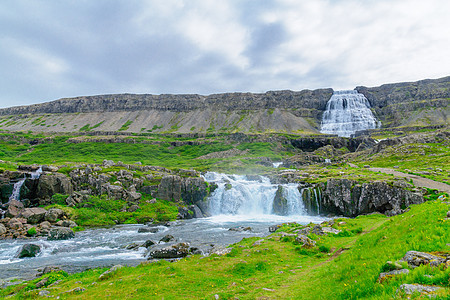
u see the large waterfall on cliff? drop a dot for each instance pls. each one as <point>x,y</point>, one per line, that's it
<point>346,113</point>
<point>241,195</point>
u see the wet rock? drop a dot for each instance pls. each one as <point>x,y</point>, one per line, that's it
<point>280,202</point>
<point>410,289</point>
<point>305,241</point>
<point>386,275</point>
<point>416,258</point>
<point>174,251</point>
<point>53,214</point>
<point>33,215</point>
<point>273,228</point>
<point>29,250</point>
<point>167,238</point>
<point>132,246</point>
<point>61,233</point>
<point>148,229</point>
<point>148,243</point>
<point>240,229</point>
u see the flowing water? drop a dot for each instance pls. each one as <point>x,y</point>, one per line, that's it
<point>346,113</point>
<point>245,203</point>
<point>15,195</point>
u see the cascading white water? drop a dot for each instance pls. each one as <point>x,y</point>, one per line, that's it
<point>239,195</point>
<point>346,113</point>
<point>15,195</point>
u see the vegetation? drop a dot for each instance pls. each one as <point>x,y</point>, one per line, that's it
<point>342,266</point>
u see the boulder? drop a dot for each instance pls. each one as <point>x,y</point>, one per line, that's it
<point>317,230</point>
<point>33,215</point>
<point>305,241</point>
<point>14,208</point>
<point>410,289</point>
<point>76,198</point>
<point>416,258</point>
<point>109,273</point>
<point>280,203</point>
<point>14,223</point>
<point>29,250</point>
<point>174,251</point>
<point>108,163</point>
<point>66,223</point>
<point>167,238</point>
<point>61,233</point>
<point>114,191</point>
<point>133,197</point>
<point>240,229</point>
<point>53,214</point>
<point>330,230</point>
<point>184,213</point>
<point>148,244</point>
<point>386,275</point>
<point>2,229</point>
<point>148,229</point>
<point>50,184</point>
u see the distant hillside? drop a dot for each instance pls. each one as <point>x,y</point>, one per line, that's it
<point>402,104</point>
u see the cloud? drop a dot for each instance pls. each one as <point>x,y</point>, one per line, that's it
<point>54,49</point>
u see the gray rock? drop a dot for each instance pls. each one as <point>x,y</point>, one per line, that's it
<point>273,228</point>
<point>386,275</point>
<point>42,283</point>
<point>174,251</point>
<point>305,241</point>
<point>148,244</point>
<point>416,258</point>
<point>108,163</point>
<point>240,228</point>
<point>410,289</point>
<point>133,197</point>
<point>14,208</point>
<point>330,230</point>
<point>14,223</point>
<point>148,229</point>
<point>109,273</point>
<point>133,208</point>
<point>2,229</point>
<point>61,233</point>
<point>280,203</point>
<point>167,238</point>
<point>53,214</point>
<point>29,250</point>
<point>33,215</point>
<point>43,293</point>
<point>50,184</point>
<point>317,230</point>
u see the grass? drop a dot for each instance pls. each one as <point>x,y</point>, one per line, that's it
<point>344,266</point>
<point>100,211</point>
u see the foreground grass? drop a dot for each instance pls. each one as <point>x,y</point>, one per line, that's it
<point>344,266</point>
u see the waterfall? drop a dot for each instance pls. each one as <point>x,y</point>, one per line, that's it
<point>15,195</point>
<point>346,113</point>
<point>240,195</point>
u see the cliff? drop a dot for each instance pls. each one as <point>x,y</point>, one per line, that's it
<point>420,103</point>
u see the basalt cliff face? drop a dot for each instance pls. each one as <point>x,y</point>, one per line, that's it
<point>419,103</point>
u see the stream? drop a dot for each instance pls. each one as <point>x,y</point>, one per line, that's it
<point>245,203</point>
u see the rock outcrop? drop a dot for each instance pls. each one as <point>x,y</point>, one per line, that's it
<point>351,198</point>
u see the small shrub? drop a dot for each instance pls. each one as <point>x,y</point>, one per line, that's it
<point>32,231</point>
<point>324,249</point>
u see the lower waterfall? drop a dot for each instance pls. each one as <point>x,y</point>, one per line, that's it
<point>346,113</point>
<point>252,196</point>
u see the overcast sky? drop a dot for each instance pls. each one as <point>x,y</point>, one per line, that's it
<point>52,49</point>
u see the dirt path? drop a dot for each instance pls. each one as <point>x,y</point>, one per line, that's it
<point>417,180</point>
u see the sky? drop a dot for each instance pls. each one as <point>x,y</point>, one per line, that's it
<point>51,49</point>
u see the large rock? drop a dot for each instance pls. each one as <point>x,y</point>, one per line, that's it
<point>416,258</point>
<point>174,251</point>
<point>61,233</point>
<point>33,215</point>
<point>29,250</point>
<point>280,203</point>
<point>305,241</point>
<point>115,192</point>
<point>53,214</point>
<point>50,184</point>
<point>14,208</point>
<point>2,229</point>
<point>351,198</point>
